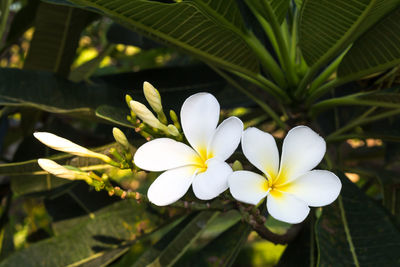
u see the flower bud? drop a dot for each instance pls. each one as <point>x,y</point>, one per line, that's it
<point>128,99</point>
<point>120,137</point>
<point>173,130</point>
<point>152,96</point>
<point>62,172</point>
<point>64,145</point>
<point>237,166</point>
<point>146,115</point>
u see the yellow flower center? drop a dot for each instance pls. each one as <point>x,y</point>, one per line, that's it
<point>201,159</point>
<point>276,184</point>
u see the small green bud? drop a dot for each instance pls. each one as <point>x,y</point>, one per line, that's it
<point>174,119</point>
<point>237,166</point>
<point>128,99</point>
<point>121,139</point>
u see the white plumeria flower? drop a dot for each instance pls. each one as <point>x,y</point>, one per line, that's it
<point>203,165</point>
<point>291,187</point>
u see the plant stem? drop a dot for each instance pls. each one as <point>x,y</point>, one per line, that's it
<point>327,72</point>
<point>320,91</point>
<point>283,48</point>
<point>257,100</point>
<point>265,84</point>
<point>267,61</point>
<point>362,120</point>
<point>5,10</point>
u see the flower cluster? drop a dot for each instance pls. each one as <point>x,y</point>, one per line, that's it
<point>288,184</point>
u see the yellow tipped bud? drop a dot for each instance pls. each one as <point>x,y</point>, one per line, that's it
<point>120,137</point>
<point>64,145</point>
<point>237,166</point>
<point>153,97</point>
<point>173,130</point>
<point>128,99</point>
<point>173,116</point>
<point>62,172</point>
<point>146,115</point>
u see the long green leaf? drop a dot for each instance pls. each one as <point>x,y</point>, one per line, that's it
<point>328,27</point>
<point>90,239</point>
<point>377,50</point>
<point>57,32</point>
<point>207,29</point>
<point>223,250</point>
<point>356,231</point>
<point>378,99</point>
<point>174,245</point>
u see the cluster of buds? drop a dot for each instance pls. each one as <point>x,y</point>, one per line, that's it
<point>146,123</point>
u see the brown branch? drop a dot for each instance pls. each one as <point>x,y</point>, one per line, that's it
<point>253,217</point>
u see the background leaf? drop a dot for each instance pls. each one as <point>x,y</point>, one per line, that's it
<point>376,50</point>
<point>328,27</point>
<point>355,230</point>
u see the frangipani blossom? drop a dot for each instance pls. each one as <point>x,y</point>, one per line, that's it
<point>292,186</point>
<point>203,164</point>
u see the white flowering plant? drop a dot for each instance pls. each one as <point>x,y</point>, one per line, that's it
<point>272,139</point>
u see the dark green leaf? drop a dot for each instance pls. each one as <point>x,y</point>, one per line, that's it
<point>90,239</point>
<point>356,231</point>
<point>57,32</point>
<point>169,249</point>
<point>223,250</point>
<point>210,30</point>
<point>375,51</point>
<point>328,27</point>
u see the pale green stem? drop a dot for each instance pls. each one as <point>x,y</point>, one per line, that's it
<point>362,120</point>
<point>257,100</point>
<point>350,100</point>
<point>283,48</point>
<point>327,73</point>
<point>267,61</point>
<point>265,84</point>
<point>320,91</point>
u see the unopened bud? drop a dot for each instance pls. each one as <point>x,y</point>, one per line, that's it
<point>121,139</point>
<point>152,96</point>
<point>173,130</point>
<point>237,166</point>
<point>174,119</point>
<point>146,115</point>
<point>64,145</point>
<point>128,99</point>
<point>61,171</point>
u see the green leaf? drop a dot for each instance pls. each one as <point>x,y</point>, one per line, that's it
<point>356,231</point>
<point>223,250</point>
<point>390,186</point>
<point>116,116</point>
<point>170,248</point>
<point>375,51</point>
<point>57,33</point>
<point>210,30</point>
<point>385,99</point>
<point>111,228</point>
<point>279,7</point>
<point>46,91</point>
<point>327,27</point>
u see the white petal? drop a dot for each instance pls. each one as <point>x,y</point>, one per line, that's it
<point>286,208</point>
<point>260,149</point>
<point>64,145</point>
<point>302,150</point>
<point>164,154</point>
<point>199,117</point>
<point>171,185</point>
<point>317,188</point>
<point>209,184</point>
<point>248,187</point>
<point>226,139</point>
